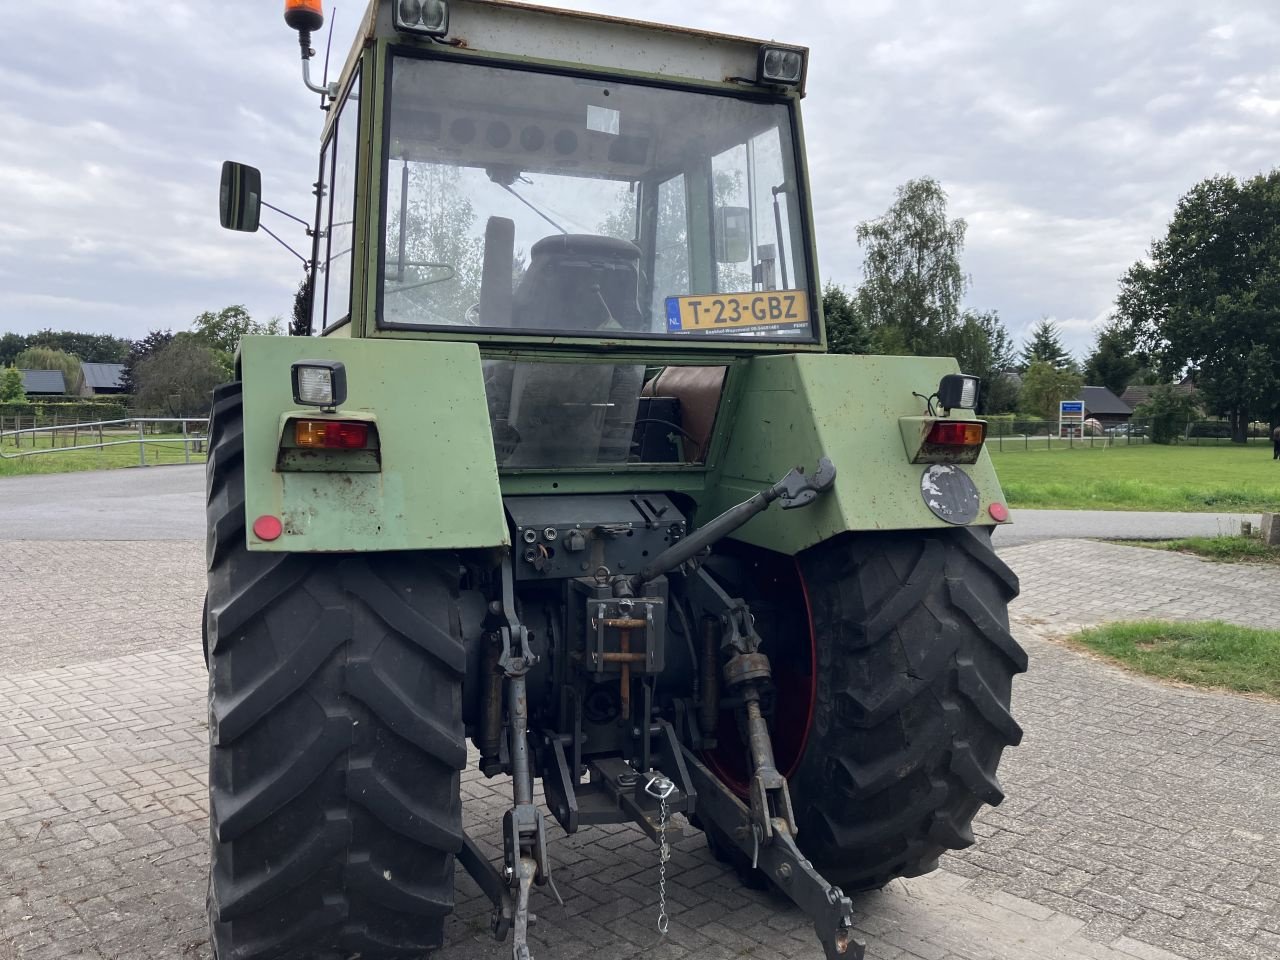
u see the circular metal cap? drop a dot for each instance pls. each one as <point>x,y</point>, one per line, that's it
<point>949,493</point>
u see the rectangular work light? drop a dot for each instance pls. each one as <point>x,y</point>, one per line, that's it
<point>956,391</point>
<point>319,383</point>
<point>781,66</point>
<point>427,17</point>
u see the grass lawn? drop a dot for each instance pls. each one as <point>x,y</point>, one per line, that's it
<point>1224,549</point>
<point>1209,654</point>
<point>73,458</point>
<point>1214,479</point>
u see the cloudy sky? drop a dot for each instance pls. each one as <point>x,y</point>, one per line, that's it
<point>1064,132</point>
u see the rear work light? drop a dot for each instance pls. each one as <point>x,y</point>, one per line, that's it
<point>957,433</point>
<point>429,17</point>
<point>331,434</point>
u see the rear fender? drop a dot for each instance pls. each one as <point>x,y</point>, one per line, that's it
<point>794,409</point>
<point>434,485</point>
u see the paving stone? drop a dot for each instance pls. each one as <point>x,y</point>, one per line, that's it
<point>1139,816</point>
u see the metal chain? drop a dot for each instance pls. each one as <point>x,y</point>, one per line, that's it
<point>661,788</point>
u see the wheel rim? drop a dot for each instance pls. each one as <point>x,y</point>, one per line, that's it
<point>793,657</point>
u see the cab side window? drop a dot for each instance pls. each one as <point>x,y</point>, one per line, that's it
<point>337,244</point>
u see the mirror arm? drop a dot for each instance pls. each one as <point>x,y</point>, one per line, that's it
<point>286,213</point>
<point>305,262</point>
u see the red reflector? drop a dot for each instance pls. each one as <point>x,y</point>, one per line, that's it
<point>999,512</point>
<point>332,434</point>
<point>957,433</point>
<point>267,527</point>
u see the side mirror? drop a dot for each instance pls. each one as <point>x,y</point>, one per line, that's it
<point>240,199</point>
<point>733,234</point>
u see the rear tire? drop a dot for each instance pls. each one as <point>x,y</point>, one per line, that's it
<point>335,730</point>
<point>915,664</point>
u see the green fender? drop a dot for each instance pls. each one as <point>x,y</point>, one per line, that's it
<point>438,483</point>
<point>793,409</point>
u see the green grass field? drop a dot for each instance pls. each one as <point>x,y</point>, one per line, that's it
<point>1214,479</point>
<point>1211,654</point>
<point>82,458</point>
<point>1220,549</point>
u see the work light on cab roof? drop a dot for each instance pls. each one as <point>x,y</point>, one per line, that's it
<point>427,17</point>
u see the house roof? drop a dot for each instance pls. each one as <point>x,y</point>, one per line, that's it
<point>1100,400</point>
<point>1141,392</point>
<point>102,376</point>
<point>43,381</point>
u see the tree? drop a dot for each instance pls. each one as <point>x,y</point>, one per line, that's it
<point>1169,412</point>
<point>300,324</point>
<point>139,351</point>
<point>223,330</point>
<point>47,358</point>
<point>846,330</point>
<point>178,379</point>
<point>11,344</point>
<point>1208,296</point>
<point>1045,346</point>
<point>982,346</point>
<point>1044,386</point>
<point>11,386</point>
<point>1112,363</point>
<point>914,283</point>
<point>87,347</point>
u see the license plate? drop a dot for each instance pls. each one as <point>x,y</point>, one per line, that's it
<point>721,313</point>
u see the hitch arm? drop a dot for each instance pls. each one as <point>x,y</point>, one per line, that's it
<point>781,860</point>
<point>796,489</point>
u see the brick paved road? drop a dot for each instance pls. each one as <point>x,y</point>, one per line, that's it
<point>1139,824</point>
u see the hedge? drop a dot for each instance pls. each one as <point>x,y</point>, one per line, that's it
<point>70,410</point>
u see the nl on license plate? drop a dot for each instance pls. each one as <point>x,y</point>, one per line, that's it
<point>721,313</point>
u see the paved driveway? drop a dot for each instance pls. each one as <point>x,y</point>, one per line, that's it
<point>167,503</point>
<point>1140,821</point>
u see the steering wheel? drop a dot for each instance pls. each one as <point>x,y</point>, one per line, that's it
<point>393,286</point>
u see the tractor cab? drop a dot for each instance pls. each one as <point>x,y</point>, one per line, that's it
<point>566,184</point>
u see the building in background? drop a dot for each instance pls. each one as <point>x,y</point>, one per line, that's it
<point>43,383</point>
<point>102,379</point>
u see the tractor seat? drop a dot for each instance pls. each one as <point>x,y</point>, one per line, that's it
<point>580,282</point>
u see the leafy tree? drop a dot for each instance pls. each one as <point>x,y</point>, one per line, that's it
<point>1112,363</point>
<point>178,379</point>
<point>846,330</point>
<point>1044,386</point>
<point>1045,346</point>
<point>140,350</point>
<point>913,283</point>
<point>11,344</point>
<point>982,346</point>
<point>223,330</point>
<point>1169,412</point>
<point>88,347</point>
<point>11,386</point>
<point>47,358</point>
<point>1208,296</point>
<point>300,323</point>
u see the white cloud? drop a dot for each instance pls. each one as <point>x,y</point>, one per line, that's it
<point>1063,131</point>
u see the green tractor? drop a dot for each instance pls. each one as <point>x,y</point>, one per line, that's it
<point>565,470</point>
